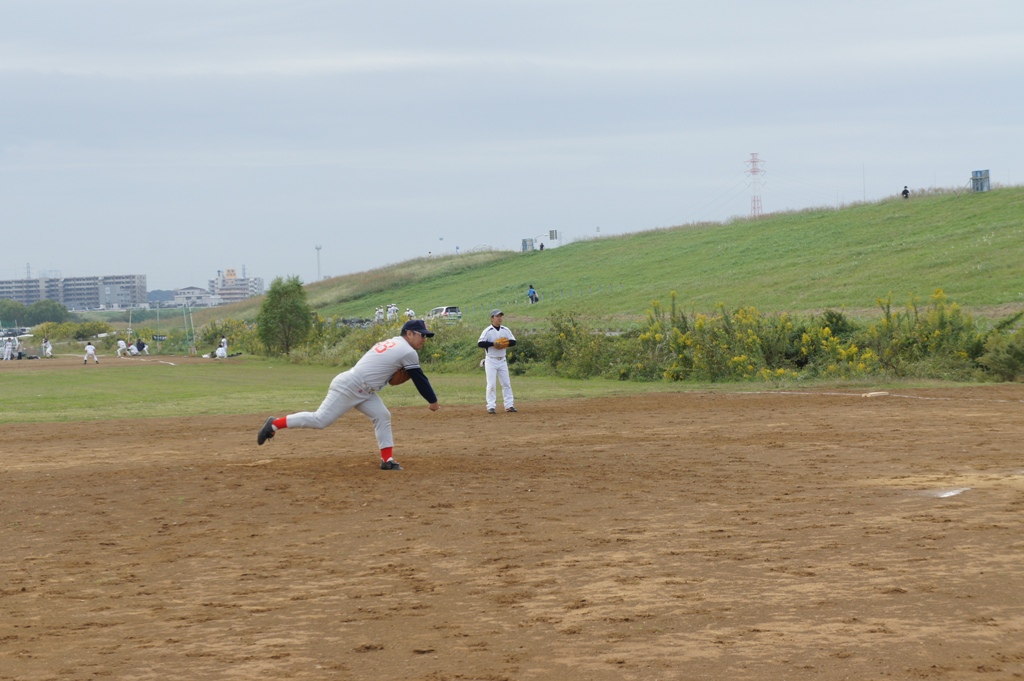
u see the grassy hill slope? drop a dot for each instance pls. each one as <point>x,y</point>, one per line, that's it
<point>969,245</point>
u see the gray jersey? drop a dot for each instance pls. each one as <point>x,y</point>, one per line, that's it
<point>382,360</point>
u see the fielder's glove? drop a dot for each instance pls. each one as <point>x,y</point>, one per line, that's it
<point>501,343</point>
<point>399,377</point>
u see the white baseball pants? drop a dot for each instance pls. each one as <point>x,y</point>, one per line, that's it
<point>344,394</point>
<point>496,371</point>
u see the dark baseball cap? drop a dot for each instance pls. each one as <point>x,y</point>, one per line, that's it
<point>418,326</point>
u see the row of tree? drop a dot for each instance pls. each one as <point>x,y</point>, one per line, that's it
<point>13,313</point>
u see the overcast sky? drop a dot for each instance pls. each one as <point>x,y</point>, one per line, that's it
<point>175,138</point>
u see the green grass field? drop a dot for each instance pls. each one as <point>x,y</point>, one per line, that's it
<point>135,389</point>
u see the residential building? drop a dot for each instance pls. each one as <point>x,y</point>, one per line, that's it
<point>111,292</point>
<point>231,288</point>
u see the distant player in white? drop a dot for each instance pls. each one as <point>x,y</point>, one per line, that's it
<point>47,348</point>
<point>409,314</point>
<point>495,366</point>
<point>122,348</point>
<point>8,349</point>
<point>90,351</point>
<point>357,389</point>
<point>222,349</point>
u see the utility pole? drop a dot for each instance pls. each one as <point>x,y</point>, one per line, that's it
<point>318,262</point>
<point>755,172</point>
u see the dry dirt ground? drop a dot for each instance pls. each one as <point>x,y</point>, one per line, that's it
<point>821,535</point>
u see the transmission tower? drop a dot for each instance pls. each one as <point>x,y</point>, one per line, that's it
<point>755,172</point>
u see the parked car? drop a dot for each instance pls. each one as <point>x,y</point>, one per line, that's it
<point>449,313</point>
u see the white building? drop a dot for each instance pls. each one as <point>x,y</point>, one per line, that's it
<point>193,296</point>
<point>231,288</point>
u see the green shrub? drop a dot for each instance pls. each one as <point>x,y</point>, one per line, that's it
<point>572,349</point>
<point>904,340</point>
<point>1004,355</point>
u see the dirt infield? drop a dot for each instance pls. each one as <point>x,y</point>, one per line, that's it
<point>821,535</point>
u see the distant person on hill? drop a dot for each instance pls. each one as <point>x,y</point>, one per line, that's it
<point>905,193</point>
<point>531,293</point>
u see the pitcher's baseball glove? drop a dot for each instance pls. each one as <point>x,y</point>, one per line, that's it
<point>501,343</point>
<point>399,377</point>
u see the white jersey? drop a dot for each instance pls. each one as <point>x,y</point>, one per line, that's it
<point>492,334</point>
<point>382,360</point>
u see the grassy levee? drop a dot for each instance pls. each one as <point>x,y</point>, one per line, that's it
<point>969,245</point>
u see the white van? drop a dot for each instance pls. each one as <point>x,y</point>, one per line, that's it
<point>448,313</point>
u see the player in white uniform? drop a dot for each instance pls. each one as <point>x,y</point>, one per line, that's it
<point>122,348</point>
<point>8,349</point>
<point>90,351</point>
<point>495,366</point>
<point>357,389</point>
<point>47,348</point>
<point>222,350</point>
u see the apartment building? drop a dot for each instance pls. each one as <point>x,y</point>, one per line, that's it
<point>112,292</point>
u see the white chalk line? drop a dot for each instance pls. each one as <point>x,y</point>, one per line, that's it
<point>883,394</point>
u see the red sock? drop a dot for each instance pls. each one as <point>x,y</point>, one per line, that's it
<point>281,422</point>
<point>385,453</point>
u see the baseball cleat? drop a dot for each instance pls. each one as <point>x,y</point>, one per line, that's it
<point>491,411</point>
<point>266,432</point>
<point>511,410</point>
<point>390,465</point>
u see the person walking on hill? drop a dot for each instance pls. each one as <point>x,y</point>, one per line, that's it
<point>494,340</point>
<point>357,389</point>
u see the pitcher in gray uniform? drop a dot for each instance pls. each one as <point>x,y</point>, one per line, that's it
<point>357,389</point>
